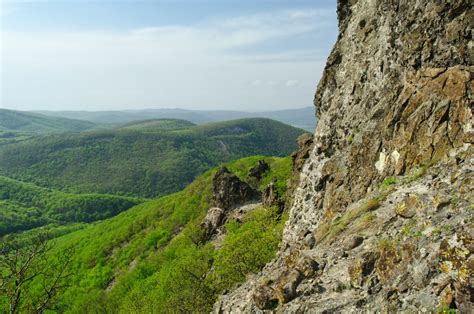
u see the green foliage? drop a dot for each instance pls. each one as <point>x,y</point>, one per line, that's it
<point>12,137</point>
<point>389,182</point>
<point>30,281</point>
<point>151,258</point>
<point>141,162</point>
<point>280,169</point>
<point>247,247</point>
<point>386,244</point>
<point>446,310</point>
<point>25,206</point>
<point>418,172</point>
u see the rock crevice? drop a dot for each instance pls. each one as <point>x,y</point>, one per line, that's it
<point>390,161</point>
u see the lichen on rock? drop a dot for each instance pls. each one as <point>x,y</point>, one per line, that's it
<point>395,101</point>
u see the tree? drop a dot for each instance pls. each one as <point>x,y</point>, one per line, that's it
<point>30,278</point>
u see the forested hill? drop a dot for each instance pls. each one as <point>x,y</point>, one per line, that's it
<point>144,162</point>
<point>24,206</point>
<point>35,123</point>
<point>155,257</point>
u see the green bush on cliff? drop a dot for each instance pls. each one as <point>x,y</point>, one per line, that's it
<point>248,246</point>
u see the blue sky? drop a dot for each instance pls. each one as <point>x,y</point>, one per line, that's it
<point>200,54</point>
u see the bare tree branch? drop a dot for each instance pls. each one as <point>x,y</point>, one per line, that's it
<point>22,262</point>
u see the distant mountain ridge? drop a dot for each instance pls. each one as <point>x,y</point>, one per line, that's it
<point>29,122</point>
<point>303,118</point>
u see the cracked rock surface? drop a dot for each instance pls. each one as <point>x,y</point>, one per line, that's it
<point>382,215</point>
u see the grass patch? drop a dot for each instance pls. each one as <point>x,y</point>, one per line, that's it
<point>386,244</point>
<point>361,217</point>
<point>389,182</point>
<point>418,172</point>
<point>350,138</point>
<point>446,310</point>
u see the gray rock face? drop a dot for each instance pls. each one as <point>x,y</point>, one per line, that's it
<point>352,242</point>
<point>259,169</point>
<point>214,219</point>
<point>230,192</point>
<point>395,100</point>
<point>271,197</point>
<point>305,146</point>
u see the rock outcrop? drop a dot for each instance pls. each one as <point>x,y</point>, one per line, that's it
<point>259,169</point>
<point>214,219</point>
<point>382,218</point>
<point>230,192</point>
<point>305,146</point>
<point>271,197</point>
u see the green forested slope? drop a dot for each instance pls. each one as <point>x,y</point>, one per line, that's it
<point>25,206</point>
<point>141,162</point>
<point>34,123</point>
<point>152,259</point>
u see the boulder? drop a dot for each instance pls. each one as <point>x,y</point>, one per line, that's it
<point>361,268</point>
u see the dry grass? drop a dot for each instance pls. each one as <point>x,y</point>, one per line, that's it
<point>361,217</point>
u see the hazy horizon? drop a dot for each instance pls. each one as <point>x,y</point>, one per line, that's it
<point>165,108</point>
<point>195,55</point>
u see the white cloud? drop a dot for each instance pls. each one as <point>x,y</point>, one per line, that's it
<point>305,14</point>
<point>264,84</point>
<point>292,83</point>
<point>256,83</point>
<point>202,66</point>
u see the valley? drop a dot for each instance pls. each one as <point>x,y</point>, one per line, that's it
<point>127,208</point>
<point>145,159</point>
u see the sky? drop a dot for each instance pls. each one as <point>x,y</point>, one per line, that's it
<point>249,55</point>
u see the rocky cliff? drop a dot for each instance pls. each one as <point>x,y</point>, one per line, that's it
<point>382,218</point>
